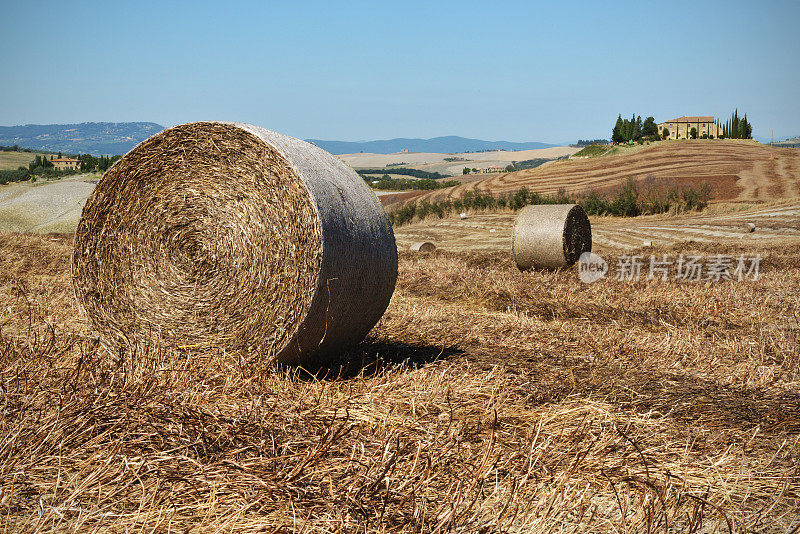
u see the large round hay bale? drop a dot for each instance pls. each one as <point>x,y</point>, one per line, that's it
<point>230,236</point>
<point>422,246</point>
<point>550,236</point>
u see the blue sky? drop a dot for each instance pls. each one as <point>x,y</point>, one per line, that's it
<point>518,71</point>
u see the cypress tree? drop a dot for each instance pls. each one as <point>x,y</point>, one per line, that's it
<point>735,124</point>
<point>616,133</point>
<point>633,127</point>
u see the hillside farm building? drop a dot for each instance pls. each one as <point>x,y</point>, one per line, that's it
<point>681,127</point>
<point>65,163</point>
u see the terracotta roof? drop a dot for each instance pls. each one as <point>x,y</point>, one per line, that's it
<point>64,160</point>
<point>691,119</point>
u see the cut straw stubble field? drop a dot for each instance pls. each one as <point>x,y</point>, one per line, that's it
<point>485,399</point>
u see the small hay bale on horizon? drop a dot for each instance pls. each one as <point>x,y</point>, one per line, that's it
<point>550,236</point>
<point>231,236</point>
<point>423,246</point>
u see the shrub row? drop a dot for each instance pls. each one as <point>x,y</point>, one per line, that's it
<point>22,174</point>
<point>18,175</point>
<point>399,184</point>
<point>632,199</point>
<point>416,173</point>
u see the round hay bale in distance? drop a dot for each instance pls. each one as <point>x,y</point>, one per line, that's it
<point>423,246</point>
<point>550,236</point>
<point>231,236</point>
<point>749,228</point>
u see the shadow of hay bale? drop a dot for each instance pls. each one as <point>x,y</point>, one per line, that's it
<point>373,357</point>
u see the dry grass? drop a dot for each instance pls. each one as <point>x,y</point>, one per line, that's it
<point>12,160</point>
<point>485,400</point>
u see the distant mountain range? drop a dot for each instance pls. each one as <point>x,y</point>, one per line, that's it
<point>96,138</point>
<point>119,137</point>
<point>447,145</point>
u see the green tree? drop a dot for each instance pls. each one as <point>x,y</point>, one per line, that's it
<point>693,132</point>
<point>632,128</point>
<point>617,133</point>
<point>465,171</point>
<point>650,128</point>
<point>665,133</point>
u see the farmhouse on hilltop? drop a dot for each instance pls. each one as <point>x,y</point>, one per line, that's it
<point>65,163</point>
<point>681,127</point>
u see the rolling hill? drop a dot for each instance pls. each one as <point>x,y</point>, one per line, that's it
<point>95,138</point>
<point>736,170</point>
<point>119,137</point>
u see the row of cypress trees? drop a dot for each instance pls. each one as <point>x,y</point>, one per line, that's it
<point>634,129</point>
<point>736,127</point>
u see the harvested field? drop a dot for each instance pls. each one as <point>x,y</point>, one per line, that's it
<point>486,399</point>
<point>371,161</point>
<point>12,160</point>
<point>736,170</point>
<point>776,222</point>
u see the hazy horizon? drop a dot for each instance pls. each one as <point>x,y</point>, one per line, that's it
<point>503,71</point>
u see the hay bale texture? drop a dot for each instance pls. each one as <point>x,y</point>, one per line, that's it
<point>550,236</point>
<point>231,236</point>
<point>422,246</point>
